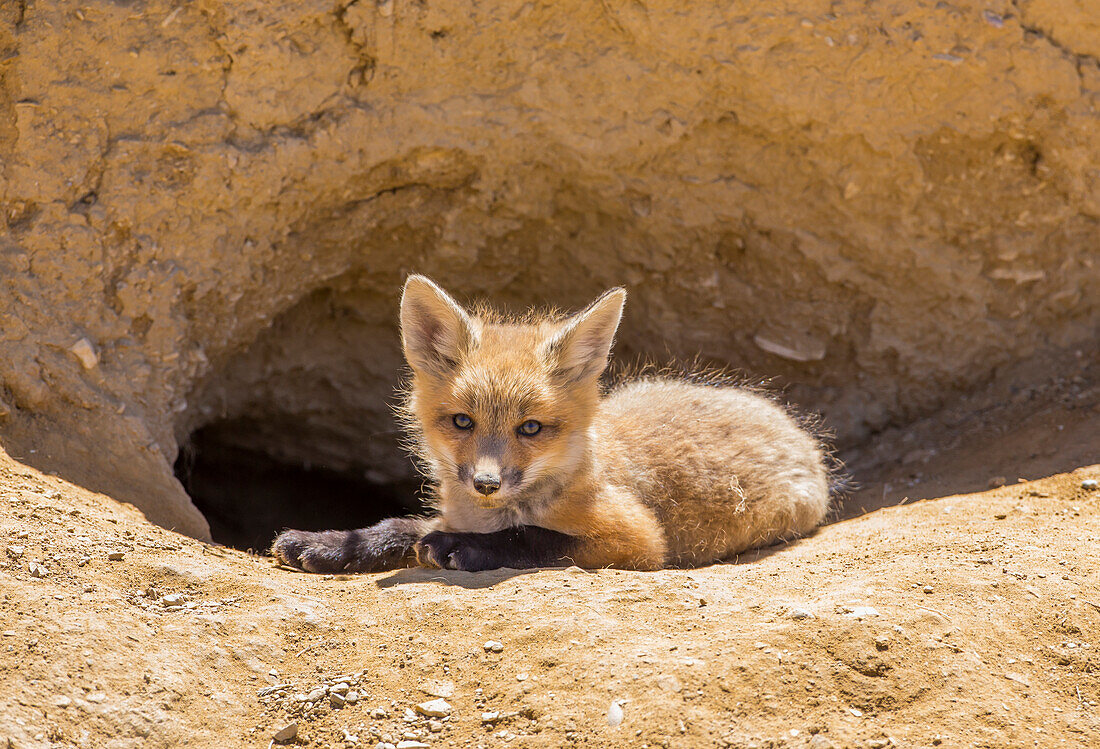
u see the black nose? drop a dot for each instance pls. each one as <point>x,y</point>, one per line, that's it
<point>486,483</point>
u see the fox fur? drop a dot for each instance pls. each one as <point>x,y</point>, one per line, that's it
<point>533,465</point>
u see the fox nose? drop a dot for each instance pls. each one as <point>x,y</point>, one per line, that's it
<point>486,483</point>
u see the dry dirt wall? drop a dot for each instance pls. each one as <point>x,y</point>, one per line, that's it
<point>210,206</point>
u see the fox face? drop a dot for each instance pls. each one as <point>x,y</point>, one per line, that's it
<point>502,408</point>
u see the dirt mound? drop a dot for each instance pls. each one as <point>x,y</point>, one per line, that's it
<point>964,621</point>
<point>209,207</point>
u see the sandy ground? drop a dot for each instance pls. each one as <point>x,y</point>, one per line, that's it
<point>961,621</point>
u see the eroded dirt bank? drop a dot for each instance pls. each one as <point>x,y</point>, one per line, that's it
<point>208,208</point>
<point>957,622</point>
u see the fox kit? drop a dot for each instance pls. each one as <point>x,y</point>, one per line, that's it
<point>533,466</point>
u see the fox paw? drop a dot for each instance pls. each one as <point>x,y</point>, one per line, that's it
<point>310,551</point>
<point>457,551</point>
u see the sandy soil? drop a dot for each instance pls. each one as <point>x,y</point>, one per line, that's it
<point>963,621</point>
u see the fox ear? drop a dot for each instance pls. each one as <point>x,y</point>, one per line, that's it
<point>579,350</point>
<point>435,330</point>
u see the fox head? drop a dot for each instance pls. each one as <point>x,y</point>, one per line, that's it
<point>501,408</point>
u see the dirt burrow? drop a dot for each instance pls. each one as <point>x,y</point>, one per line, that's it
<point>208,208</point>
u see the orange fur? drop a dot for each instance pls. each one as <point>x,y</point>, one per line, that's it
<point>658,472</point>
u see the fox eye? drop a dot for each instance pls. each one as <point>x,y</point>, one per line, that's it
<point>529,428</point>
<point>462,421</point>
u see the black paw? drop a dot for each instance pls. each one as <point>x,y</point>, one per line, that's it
<point>322,551</point>
<point>384,546</point>
<point>458,551</point>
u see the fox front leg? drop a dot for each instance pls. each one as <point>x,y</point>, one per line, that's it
<point>522,547</point>
<point>387,545</point>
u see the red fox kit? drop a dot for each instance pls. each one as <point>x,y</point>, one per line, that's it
<point>534,467</point>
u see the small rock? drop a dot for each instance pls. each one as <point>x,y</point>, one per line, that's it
<point>336,700</point>
<point>89,588</point>
<point>115,556</point>
<point>434,709</point>
<point>62,701</point>
<point>351,697</point>
<point>174,599</point>
<point>1090,484</point>
<point>15,552</point>
<point>435,726</point>
<point>384,745</point>
<point>615,714</point>
<point>799,614</point>
<point>286,734</point>
<point>521,677</point>
<point>820,742</point>
<point>341,688</point>
<point>37,570</point>
<point>878,743</point>
<point>1000,515</point>
<point>96,697</point>
<point>379,713</point>
<point>493,646</point>
<point>882,642</point>
<point>85,352</point>
<point>490,717</point>
<point>409,744</point>
<point>316,695</point>
<point>927,588</point>
<point>83,561</point>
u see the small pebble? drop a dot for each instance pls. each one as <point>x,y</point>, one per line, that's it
<point>37,570</point>
<point>493,646</point>
<point>434,709</point>
<point>22,534</point>
<point>316,695</point>
<point>521,677</point>
<point>89,588</point>
<point>927,588</point>
<point>174,599</point>
<point>882,642</point>
<point>799,614</point>
<point>96,697</point>
<point>407,744</point>
<point>83,561</point>
<point>287,733</point>
<point>351,697</point>
<point>615,714</point>
<point>340,687</point>
<point>435,726</point>
<point>490,717</point>
<point>336,700</point>
<point>115,556</point>
<point>379,713</point>
<point>1090,484</point>
<point>15,552</point>
<point>62,701</point>
<point>384,745</point>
